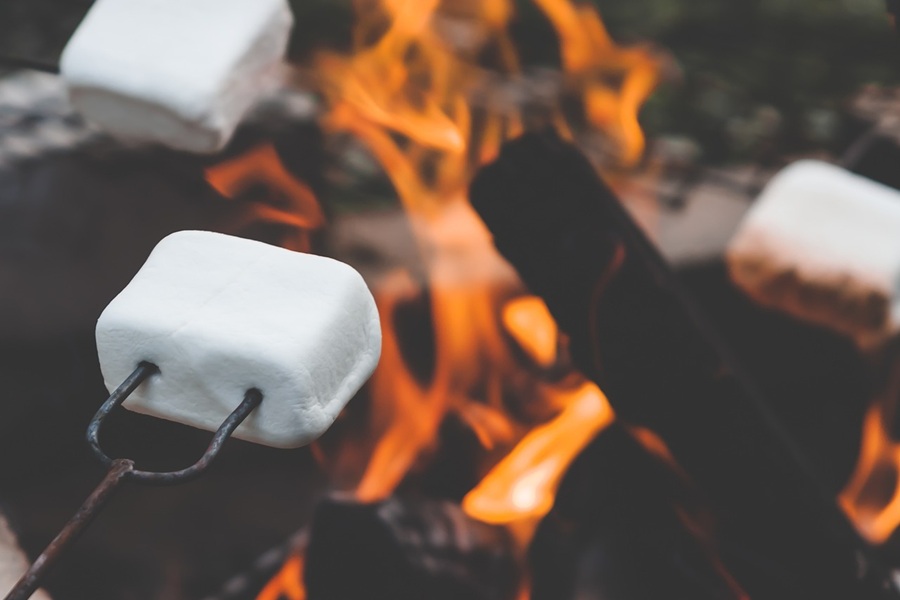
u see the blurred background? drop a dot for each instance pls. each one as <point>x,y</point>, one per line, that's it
<point>745,68</point>
<point>747,87</point>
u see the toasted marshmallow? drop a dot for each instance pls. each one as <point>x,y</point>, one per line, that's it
<point>178,72</point>
<point>220,315</point>
<point>823,244</point>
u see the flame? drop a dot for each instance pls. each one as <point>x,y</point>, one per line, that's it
<point>872,496</point>
<point>262,166</point>
<point>287,583</point>
<point>529,321</point>
<point>615,81</point>
<point>407,92</point>
<point>522,487</point>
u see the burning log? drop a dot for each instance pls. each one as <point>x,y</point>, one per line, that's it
<point>635,332</point>
<point>407,550</point>
<point>626,525</point>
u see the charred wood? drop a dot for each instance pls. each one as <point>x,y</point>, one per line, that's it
<point>626,525</point>
<point>636,333</point>
<point>407,550</point>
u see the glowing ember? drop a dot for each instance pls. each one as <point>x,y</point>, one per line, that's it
<point>872,497</point>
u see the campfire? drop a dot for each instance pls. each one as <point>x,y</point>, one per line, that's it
<point>415,94</point>
<point>551,413</point>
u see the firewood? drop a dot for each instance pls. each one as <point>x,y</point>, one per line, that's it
<point>402,549</point>
<point>636,333</point>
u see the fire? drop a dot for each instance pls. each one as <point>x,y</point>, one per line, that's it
<point>262,166</point>
<point>407,93</point>
<point>872,497</point>
<point>288,583</point>
<point>529,321</point>
<point>593,60</point>
<point>522,487</point>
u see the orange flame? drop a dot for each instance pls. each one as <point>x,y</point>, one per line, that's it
<point>529,321</point>
<point>615,81</point>
<point>872,497</point>
<point>262,166</point>
<point>522,487</point>
<point>406,92</point>
<point>288,583</point>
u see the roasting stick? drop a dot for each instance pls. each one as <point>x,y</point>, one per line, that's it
<point>210,317</point>
<point>122,470</point>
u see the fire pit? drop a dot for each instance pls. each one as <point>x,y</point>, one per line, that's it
<point>572,400</point>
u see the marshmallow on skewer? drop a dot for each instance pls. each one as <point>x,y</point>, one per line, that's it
<point>179,72</point>
<point>823,244</point>
<point>220,315</point>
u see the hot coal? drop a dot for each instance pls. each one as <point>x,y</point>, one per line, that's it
<point>402,549</point>
<point>636,333</point>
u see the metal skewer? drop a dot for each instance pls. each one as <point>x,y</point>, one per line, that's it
<point>121,470</point>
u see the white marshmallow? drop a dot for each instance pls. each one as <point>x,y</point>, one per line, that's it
<point>179,72</point>
<point>220,315</point>
<point>823,245</point>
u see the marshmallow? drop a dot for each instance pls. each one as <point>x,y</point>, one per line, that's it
<point>179,72</point>
<point>823,244</point>
<point>220,315</point>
